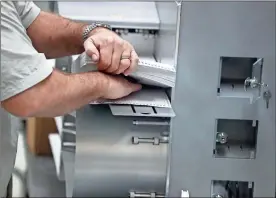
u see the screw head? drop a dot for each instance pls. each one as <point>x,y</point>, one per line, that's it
<point>217,196</point>
<point>222,137</point>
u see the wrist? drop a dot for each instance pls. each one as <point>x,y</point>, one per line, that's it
<point>97,30</point>
<point>102,83</point>
<point>94,28</point>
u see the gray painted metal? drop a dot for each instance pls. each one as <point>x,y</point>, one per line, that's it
<point>105,158</point>
<point>117,14</point>
<point>108,163</point>
<point>208,31</point>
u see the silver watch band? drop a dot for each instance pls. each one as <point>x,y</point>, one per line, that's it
<point>91,27</point>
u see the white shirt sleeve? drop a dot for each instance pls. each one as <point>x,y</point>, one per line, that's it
<point>21,65</point>
<point>27,12</point>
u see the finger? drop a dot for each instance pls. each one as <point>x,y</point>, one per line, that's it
<point>106,51</point>
<point>124,62</point>
<point>124,65</point>
<point>133,63</point>
<point>116,56</point>
<point>91,49</point>
<point>135,87</point>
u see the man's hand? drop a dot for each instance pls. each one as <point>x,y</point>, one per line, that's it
<point>111,53</point>
<point>119,87</point>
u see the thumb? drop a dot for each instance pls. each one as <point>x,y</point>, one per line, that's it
<point>135,87</point>
<point>91,50</point>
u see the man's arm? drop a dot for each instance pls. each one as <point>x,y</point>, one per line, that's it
<point>56,36</point>
<point>31,87</point>
<point>63,93</point>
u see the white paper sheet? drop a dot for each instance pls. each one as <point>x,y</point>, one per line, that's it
<point>144,97</point>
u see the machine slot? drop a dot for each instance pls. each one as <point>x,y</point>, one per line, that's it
<point>236,139</point>
<point>141,111</point>
<point>232,189</point>
<point>234,71</point>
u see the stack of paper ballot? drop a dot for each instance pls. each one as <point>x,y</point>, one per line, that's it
<point>149,73</point>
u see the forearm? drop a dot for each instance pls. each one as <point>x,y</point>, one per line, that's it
<point>57,95</point>
<point>56,36</point>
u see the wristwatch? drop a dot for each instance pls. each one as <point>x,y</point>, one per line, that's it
<point>91,27</point>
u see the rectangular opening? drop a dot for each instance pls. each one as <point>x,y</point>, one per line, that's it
<point>233,73</point>
<point>233,189</point>
<point>235,139</point>
<point>141,111</point>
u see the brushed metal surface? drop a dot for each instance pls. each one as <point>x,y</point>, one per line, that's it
<point>107,164</point>
<point>117,14</point>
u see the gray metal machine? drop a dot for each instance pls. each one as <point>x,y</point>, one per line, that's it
<point>221,143</point>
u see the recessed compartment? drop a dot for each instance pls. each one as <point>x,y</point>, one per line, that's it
<point>234,71</point>
<point>235,139</point>
<point>232,189</point>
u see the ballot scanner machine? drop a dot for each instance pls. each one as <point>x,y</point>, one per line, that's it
<point>220,141</point>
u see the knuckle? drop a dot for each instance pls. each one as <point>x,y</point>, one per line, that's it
<point>119,43</point>
<point>110,40</point>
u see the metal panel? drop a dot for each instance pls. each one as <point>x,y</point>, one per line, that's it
<point>166,41</point>
<point>210,30</point>
<point>120,15</point>
<point>109,160</point>
<point>141,15</point>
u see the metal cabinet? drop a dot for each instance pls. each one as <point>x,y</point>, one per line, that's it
<point>223,137</point>
<point>221,142</point>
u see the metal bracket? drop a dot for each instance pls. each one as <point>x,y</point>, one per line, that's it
<point>145,195</point>
<point>178,3</point>
<point>154,140</point>
<point>151,123</point>
<point>185,194</point>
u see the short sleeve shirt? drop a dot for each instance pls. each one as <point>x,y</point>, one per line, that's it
<point>21,65</point>
<point>21,68</point>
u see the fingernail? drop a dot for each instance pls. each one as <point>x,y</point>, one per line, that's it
<point>94,57</point>
<point>139,87</point>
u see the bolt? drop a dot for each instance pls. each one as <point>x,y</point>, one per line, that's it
<point>217,196</point>
<point>222,137</point>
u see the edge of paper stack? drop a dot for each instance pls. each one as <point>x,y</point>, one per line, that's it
<point>148,72</point>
